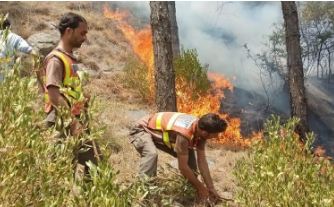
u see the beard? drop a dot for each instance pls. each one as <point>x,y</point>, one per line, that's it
<point>77,44</point>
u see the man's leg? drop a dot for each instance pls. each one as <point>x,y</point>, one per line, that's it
<point>88,151</point>
<point>143,143</point>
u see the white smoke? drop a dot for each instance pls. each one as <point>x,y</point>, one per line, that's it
<point>220,30</point>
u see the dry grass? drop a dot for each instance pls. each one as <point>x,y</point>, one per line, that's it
<point>106,45</point>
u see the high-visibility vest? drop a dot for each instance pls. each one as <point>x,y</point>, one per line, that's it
<point>71,86</point>
<point>173,121</point>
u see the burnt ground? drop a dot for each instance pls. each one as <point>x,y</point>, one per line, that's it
<point>320,97</point>
<point>253,110</point>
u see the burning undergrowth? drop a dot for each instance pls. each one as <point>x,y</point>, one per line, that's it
<point>189,98</point>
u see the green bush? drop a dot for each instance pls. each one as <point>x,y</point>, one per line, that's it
<point>281,172</point>
<point>188,68</point>
<point>165,190</point>
<point>136,77</point>
<point>34,170</point>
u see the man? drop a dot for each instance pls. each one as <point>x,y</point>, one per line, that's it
<point>63,89</point>
<point>10,43</point>
<point>178,134</point>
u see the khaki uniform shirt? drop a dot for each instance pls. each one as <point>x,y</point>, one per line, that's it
<point>54,72</point>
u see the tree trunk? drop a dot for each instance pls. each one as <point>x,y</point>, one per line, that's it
<point>174,29</point>
<point>318,60</point>
<point>165,96</point>
<point>329,64</point>
<point>295,67</point>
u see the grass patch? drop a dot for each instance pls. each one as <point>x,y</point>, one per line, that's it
<point>282,172</point>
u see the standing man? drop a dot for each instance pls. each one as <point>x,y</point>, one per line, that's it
<point>178,134</point>
<point>63,89</point>
<point>10,43</point>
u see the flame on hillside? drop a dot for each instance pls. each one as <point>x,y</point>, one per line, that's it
<point>141,42</point>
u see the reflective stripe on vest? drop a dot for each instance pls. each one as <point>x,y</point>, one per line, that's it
<point>165,135</point>
<point>72,88</point>
<point>71,80</point>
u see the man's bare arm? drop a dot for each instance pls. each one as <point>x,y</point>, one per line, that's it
<point>181,149</point>
<point>55,96</point>
<point>203,165</point>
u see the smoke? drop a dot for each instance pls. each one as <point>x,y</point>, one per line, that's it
<point>220,30</point>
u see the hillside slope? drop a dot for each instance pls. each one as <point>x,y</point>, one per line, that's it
<point>104,55</point>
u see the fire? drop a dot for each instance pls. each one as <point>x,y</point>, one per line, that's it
<point>141,42</point>
<point>118,15</point>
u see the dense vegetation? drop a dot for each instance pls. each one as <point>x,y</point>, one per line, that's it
<point>280,171</point>
<point>37,169</point>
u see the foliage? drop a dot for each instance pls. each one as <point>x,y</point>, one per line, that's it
<point>165,190</point>
<point>27,158</point>
<point>37,169</point>
<point>281,171</point>
<point>188,68</point>
<point>136,77</point>
<point>316,23</point>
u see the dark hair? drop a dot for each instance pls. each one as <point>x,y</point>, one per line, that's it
<point>70,20</point>
<point>5,24</point>
<point>212,123</point>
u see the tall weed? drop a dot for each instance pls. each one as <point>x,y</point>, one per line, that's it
<point>280,171</point>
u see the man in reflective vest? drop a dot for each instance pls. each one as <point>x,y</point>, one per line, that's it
<point>62,85</point>
<point>178,134</point>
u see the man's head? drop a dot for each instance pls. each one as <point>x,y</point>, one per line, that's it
<point>73,29</point>
<point>5,24</point>
<point>210,125</point>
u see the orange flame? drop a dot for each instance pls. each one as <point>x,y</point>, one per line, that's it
<point>118,15</point>
<point>141,42</point>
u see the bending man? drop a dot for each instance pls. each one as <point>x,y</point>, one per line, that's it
<point>178,134</point>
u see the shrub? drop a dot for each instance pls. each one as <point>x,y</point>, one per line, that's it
<point>34,171</point>
<point>168,189</point>
<point>136,77</point>
<point>282,172</point>
<point>189,69</point>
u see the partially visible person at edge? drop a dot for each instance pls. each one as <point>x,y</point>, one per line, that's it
<point>10,43</point>
<point>62,87</point>
<point>178,134</point>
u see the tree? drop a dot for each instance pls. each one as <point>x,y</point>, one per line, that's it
<point>295,66</point>
<point>174,29</point>
<point>165,97</point>
<point>317,21</point>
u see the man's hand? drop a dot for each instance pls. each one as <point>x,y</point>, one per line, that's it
<point>202,194</point>
<point>34,52</point>
<point>214,196</point>
<point>76,128</point>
